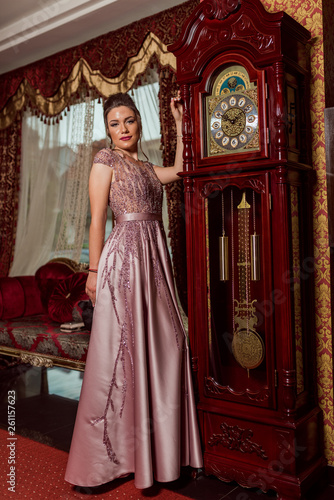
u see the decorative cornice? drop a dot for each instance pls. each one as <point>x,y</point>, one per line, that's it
<point>53,106</point>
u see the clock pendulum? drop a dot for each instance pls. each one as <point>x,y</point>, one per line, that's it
<point>223,248</point>
<point>255,249</point>
<point>247,345</point>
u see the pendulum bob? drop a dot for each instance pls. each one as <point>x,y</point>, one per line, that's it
<point>255,257</point>
<point>223,258</point>
<point>248,348</point>
<point>247,345</point>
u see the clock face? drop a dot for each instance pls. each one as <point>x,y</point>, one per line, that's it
<point>234,122</point>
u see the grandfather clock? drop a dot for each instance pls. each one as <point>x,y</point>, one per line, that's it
<point>244,78</point>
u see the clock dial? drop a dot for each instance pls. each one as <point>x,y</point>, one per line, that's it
<point>234,122</point>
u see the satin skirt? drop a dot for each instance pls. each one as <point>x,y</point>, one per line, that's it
<point>137,411</point>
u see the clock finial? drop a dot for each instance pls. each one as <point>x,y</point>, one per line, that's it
<point>219,9</point>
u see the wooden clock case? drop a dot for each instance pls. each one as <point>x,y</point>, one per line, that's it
<point>261,426</point>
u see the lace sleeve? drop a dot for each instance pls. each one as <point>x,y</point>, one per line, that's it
<point>151,166</point>
<point>106,157</point>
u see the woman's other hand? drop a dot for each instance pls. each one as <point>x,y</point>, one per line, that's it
<point>91,287</point>
<point>177,108</point>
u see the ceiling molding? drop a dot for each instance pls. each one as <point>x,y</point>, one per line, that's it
<point>47,18</point>
<point>56,25</point>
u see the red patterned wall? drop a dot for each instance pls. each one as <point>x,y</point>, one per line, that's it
<point>310,14</point>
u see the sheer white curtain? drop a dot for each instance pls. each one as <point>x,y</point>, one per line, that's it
<point>42,185</point>
<point>50,155</point>
<point>73,221</point>
<point>147,101</point>
<point>146,98</point>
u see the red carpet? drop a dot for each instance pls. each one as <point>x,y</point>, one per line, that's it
<point>39,474</point>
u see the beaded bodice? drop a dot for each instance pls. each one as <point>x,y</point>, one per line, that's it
<point>135,188</point>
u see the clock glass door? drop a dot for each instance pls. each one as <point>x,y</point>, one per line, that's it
<point>240,362</point>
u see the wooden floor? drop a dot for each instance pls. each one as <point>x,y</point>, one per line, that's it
<point>46,405</point>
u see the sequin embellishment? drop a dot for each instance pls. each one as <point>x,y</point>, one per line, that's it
<point>136,189</point>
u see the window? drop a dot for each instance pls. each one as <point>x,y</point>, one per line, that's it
<point>56,161</point>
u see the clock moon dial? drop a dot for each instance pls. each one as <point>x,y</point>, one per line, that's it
<point>234,122</point>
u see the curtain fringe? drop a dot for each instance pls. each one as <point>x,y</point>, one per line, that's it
<point>83,74</point>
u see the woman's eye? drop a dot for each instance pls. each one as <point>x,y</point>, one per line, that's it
<point>113,124</point>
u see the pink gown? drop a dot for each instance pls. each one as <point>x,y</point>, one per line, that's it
<point>136,411</point>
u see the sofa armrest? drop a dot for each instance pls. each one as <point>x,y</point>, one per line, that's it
<point>19,296</point>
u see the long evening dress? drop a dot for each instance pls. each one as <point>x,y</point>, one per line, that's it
<point>136,411</point>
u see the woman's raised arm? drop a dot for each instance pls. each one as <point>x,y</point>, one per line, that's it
<point>169,174</point>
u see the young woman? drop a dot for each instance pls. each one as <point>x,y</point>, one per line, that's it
<point>136,412</point>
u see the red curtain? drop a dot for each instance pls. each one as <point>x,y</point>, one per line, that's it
<point>10,151</point>
<point>107,53</point>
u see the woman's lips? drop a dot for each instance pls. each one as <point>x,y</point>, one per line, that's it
<point>127,138</point>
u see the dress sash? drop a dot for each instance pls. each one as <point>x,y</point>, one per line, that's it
<point>139,216</point>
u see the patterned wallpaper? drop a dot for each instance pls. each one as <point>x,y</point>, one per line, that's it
<point>310,14</point>
<point>328,13</point>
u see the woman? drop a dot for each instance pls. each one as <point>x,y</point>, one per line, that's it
<point>136,411</point>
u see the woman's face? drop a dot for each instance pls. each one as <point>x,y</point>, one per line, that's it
<point>123,128</point>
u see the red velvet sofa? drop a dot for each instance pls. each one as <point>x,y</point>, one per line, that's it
<point>32,308</point>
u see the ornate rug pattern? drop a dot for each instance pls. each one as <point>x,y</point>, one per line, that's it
<point>39,474</point>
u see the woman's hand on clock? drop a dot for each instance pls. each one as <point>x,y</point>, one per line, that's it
<point>177,108</point>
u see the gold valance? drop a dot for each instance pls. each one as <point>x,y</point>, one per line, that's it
<point>53,106</point>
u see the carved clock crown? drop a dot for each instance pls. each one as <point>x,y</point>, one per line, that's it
<point>220,9</point>
<point>219,26</point>
<point>262,115</point>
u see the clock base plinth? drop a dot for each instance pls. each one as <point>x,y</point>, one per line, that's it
<point>287,487</point>
<point>284,458</point>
